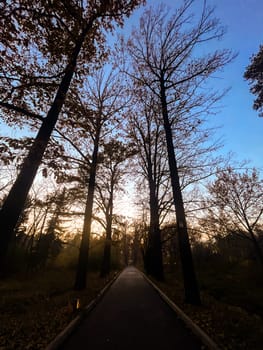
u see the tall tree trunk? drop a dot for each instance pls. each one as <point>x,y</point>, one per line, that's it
<point>125,247</point>
<point>15,201</point>
<point>192,295</point>
<point>81,275</point>
<point>154,259</point>
<point>256,246</point>
<point>135,247</point>
<point>106,260</point>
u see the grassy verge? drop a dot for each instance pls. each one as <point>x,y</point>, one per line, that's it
<point>231,326</point>
<point>34,309</point>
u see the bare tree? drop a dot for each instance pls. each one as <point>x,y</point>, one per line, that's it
<point>79,28</point>
<point>164,59</point>
<point>235,203</point>
<point>110,175</point>
<point>100,107</point>
<point>145,130</point>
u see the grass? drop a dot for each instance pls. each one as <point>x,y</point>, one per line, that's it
<point>35,308</point>
<point>231,311</point>
<point>236,284</point>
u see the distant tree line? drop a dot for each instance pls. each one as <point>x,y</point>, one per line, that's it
<point>99,123</point>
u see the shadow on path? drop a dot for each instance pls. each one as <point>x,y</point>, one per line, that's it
<point>131,316</point>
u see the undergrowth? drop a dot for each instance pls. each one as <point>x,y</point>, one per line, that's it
<point>35,308</point>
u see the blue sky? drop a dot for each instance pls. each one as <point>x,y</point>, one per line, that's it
<point>241,128</point>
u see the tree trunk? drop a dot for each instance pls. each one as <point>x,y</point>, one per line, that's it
<point>126,253</point>
<point>257,246</point>
<point>15,201</point>
<point>81,275</point>
<point>192,295</point>
<point>135,248</point>
<point>106,261</point>
<point>154,259</point>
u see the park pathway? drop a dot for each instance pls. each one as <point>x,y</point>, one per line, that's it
<point>131,316</point>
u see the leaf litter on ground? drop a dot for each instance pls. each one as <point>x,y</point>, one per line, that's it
<point>35,308</point>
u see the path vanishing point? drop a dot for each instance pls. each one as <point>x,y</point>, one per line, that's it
<point>131,316</point>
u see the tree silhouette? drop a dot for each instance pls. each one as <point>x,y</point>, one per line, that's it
<point>163,60</point>
<point>80,31</point>
<point>99,113</point>
<point>146,131</point>
<point>236,204</point>
<point>254,75</point>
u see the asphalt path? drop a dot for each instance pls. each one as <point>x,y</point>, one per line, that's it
<point>131,316</point>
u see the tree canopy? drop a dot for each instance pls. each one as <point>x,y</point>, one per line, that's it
<point>254,75</point>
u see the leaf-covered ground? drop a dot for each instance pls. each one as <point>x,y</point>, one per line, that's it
<point>34,309</point>
<point>232,327</point>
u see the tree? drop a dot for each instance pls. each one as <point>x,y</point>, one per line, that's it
<point>254,75</point>
<point>164,59</point>
<point>236,204</point>
<point>80,30</point>
<point>146,131</point>
<point>136,249</point>
<point>49,243</point>
<point>54,224</point>
<point>111,170</point>
<point>99,113</point>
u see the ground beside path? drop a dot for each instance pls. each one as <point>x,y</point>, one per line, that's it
<point>131,316</point>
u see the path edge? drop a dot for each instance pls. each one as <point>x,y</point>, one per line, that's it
<point>58,341</point>
<point>206,340</point>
